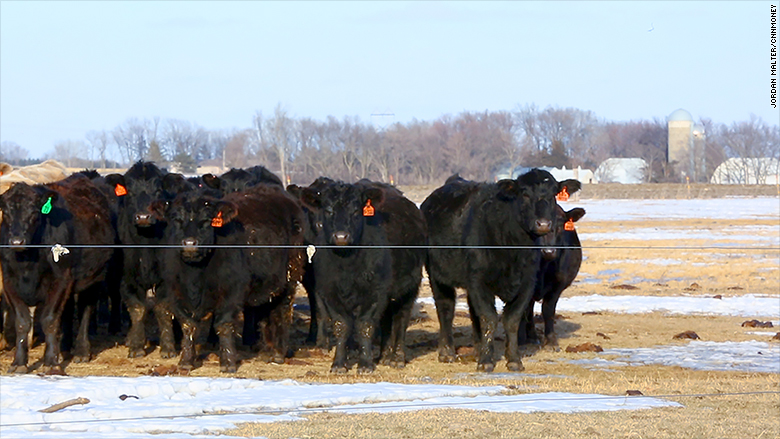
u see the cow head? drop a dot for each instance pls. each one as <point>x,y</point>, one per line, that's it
<point>141,185</point>
<point>25,209</point>
<point>555,238</point>
<point>192,219</point>
<point>341,211</point>
<point>535,192</point>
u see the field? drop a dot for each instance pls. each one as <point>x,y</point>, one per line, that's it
<point>667,253</point>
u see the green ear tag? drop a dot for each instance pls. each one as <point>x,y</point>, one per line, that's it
<point>46,207</point>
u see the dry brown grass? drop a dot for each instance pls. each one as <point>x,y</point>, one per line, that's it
<point>722,272</point>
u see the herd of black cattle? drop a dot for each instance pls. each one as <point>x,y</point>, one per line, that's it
<point>226,253</point>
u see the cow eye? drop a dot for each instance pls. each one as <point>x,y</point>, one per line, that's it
<point>318,225</point>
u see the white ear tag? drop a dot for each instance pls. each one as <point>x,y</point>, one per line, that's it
<point>310,250</point>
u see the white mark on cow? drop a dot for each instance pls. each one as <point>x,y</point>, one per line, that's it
<point>58,251</point>
<point>310,250</point>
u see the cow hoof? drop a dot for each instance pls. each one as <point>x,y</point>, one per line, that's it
<point>230,368</point>
<point>515,366</point>
<point>365,370</point>
<point>446,358</point>
<point>341,370</point>
<point>81,358</point>
<point>53,370</point>
<point>276,359</point>
<point>17,369</point>
<point>168,353</point>
<point>485,367</point>
<point>135,353</point>
<point>186,366</point>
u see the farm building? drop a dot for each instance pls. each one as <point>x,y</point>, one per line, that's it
<point>762,170</point>
<point>686,145</point>
<point>619,170</point>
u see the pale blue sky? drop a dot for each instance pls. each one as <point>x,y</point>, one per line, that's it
<point>70,67</point>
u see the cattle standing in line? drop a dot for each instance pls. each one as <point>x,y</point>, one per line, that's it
<point>203,280</point>
<point>141,232</point>
<point>558,267</point>
<point>354,272</point>
<point>484,217</point>
<point>70,212</point>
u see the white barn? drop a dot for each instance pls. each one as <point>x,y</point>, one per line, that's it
<point>625,171</point>
<point>763,170</point>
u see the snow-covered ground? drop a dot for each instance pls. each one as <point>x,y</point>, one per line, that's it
<point>647,210</point>
<point>748,305</point>
<point>191,407</point>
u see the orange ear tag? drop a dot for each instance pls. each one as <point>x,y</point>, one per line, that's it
<point>217,222</point>
<point>120,190</point>
<point>569,226</point>
<point>368,209</point>
<point>563,195</point>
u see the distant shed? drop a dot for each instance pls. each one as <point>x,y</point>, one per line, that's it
<point>761,170</point>
<point>620,170</point>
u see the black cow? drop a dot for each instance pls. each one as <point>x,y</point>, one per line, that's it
<point>236,180</point>
<point>72,212</point>
<point>354,271</point>
<point>485,217</point>
<point>204,280</point>
<point>558,267</point>
<point>318,323</point>
<point>140,232</point>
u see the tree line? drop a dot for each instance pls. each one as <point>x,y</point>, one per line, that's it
<point>474,144</point>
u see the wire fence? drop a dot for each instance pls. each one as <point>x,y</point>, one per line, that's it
<point>398,247</point>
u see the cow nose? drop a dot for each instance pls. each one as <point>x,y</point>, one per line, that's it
<point>143,219</point>
<point>548,253</point>
<point>341,238</point>
<point>17,242</point>
<point>189,244</point>
<point>542,226</point>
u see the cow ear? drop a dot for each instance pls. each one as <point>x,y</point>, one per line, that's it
<point>374,194</point>
<point>174,183</point>
<point>46,199</point>
<point>508,190</point>
<point>227,210</point>
<point>294,190</point>
<point>311,198</point>
<point>570,185</point>
<point>575,214</point>
<point>211,181</point>
<point>117,181</point>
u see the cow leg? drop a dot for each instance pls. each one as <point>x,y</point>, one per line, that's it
<point>226,330</point>
<point>24,319</point>
<point>8,336</point>
<point>365,335</point>
<point>136,335</point>
<point>165,324</point>
<point>188,329</point>
<point>81,353</point>
<point>342,328</point>
<point>51,320</point>
<point>527,332</point>
<point>484,310</point>
<point>444,298</point>
<point>395,353</point>
<point>512,315</point>
<point>279,322</point>
<point>548,314</point>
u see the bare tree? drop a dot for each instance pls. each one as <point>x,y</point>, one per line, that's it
<point>98,143</point>
<point>12,152</point>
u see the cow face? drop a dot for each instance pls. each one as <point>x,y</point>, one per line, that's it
<point>536,191</point>
<point>555,238</point>
<point>24,210</point>
<point>192,222</point>
<point>341,211</point>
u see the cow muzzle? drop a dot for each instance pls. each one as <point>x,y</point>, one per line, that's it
<point>542,227</point>
<point>189,245</point>
<point>143,219</point>
<point>549,253</point>
<point>17,243</point>
<point>341,238</point>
